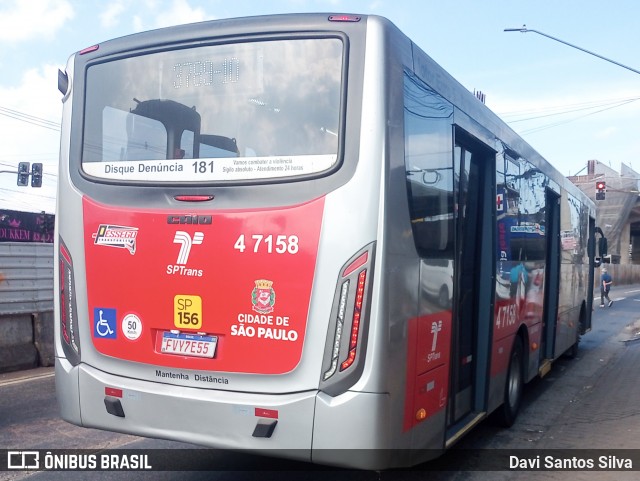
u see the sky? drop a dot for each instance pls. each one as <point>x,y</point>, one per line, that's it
<point>569,105</point>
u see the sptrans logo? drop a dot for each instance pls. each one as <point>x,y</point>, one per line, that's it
<point>186,242</point>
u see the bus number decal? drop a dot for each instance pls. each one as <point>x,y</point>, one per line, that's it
<point>506,316</point>
<point>202,167</point>
<point>206,72</point>
<point>280,244</point>
<point>187,312</point>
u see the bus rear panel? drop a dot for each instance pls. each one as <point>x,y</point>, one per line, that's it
<point>284,234</point>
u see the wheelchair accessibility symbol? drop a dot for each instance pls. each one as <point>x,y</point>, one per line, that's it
<point>104,322</point>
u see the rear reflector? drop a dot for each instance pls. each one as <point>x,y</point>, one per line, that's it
<point>266,413</point>
<point>112,391</point>
<point>359,262</point>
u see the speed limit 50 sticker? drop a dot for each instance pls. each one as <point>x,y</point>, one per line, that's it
<point>131,327</point>
<point>187,312</point>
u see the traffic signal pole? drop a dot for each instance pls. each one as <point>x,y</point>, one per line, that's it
<point>24,173</point>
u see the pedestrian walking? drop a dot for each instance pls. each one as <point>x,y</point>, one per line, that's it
<point>605,287</point>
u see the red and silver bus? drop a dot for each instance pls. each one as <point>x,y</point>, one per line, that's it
<point>299,235</point>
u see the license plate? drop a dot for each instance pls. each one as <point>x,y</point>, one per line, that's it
<point>194,345</point>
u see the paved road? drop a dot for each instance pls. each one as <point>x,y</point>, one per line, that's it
<point>588,403</point>
<point>592,402</point>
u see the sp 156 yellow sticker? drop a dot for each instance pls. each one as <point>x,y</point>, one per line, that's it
<point>187,312</point>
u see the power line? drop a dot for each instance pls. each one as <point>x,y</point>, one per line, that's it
<point>26,192</point>
<point>33,157</point>
<point>30,119</point>
<point>551,111</point>
<point>548,126</point>
<point>14,166</point>
<point>577,104</point>
<point>32,201</point>
<point>53,174</point>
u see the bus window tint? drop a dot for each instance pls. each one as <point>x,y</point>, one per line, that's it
<point>275,101</point>
<point>185,148</point>
<point>428,162</point>
<point>129,136</point>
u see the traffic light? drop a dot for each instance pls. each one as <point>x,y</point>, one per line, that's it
<point>36,174</point>
<point>23,173</point>
<point>601,189</point>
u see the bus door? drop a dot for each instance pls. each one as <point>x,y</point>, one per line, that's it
<point>552,281</point>
<point>591,252</point>
<point>474,165</point>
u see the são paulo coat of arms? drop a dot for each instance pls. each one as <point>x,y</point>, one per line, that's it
<point>263,297</point>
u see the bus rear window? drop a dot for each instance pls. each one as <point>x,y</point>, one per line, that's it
<point>244,111</point>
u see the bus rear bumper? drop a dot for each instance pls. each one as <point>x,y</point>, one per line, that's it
<point>67,391</point>
<point>207,417</point>
<point>344,430</point>
<point>352,431</point>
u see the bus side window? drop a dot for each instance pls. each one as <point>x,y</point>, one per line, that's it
<point>429,168</point>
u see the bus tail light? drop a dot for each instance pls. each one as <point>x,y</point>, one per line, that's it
<point>87,50</point>
<point>348,327</point>
<point>344,18</point>
<point>355,323</point>
<point>68,309</point>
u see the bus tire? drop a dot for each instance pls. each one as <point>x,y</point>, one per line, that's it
<point>514,386</point>
<point>572,352</point>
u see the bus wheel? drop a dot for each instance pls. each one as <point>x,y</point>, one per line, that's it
<point>572,352</point>
<point>514,386</point>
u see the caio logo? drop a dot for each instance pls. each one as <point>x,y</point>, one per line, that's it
<point>191,219</point>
